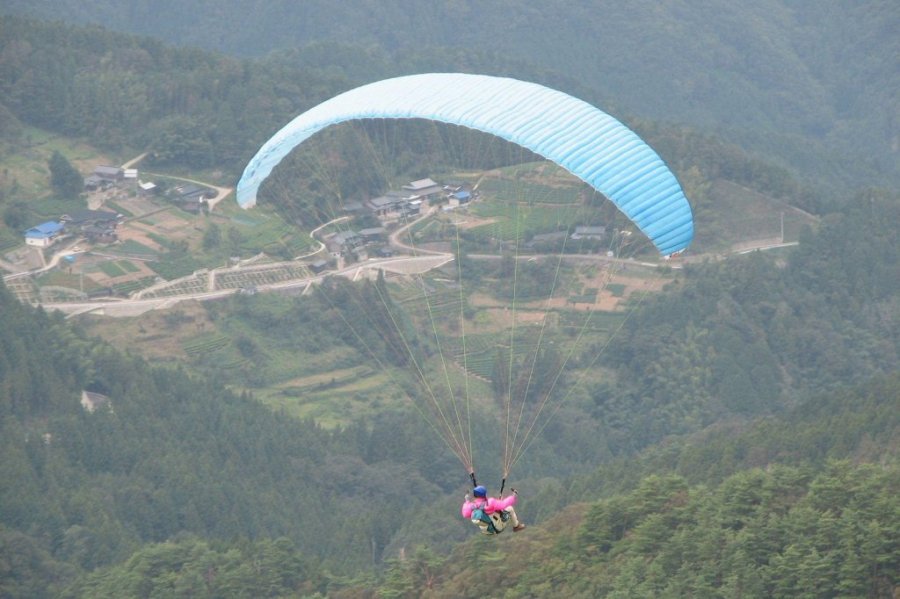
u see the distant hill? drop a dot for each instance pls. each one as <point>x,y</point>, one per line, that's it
<point>771,510</point>
<point>813,84</point>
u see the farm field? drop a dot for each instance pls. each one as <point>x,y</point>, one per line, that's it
<point>337,385</point>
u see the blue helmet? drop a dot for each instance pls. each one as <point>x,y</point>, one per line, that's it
<point>479,491</point>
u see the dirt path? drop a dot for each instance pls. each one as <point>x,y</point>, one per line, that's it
<point>134,161</point>
<point>221,192</point>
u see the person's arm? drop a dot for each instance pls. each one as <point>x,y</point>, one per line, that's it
<point>502,504</point>
<point>467,507</point>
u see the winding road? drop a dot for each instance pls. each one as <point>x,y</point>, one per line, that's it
<point>421,261</point>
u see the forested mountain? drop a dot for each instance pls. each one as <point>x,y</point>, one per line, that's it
<point>169,455</point>
<point>744,437</point>
<point>173,455</point>
<point>781,532</point>
<point>749,335</point>
<point>193,110</point>
<point>811,83</point>
<point>173,470</point>
<point>187,107</point>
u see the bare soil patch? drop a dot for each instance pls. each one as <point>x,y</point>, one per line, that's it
<point>138,233</point>
<point>598,278</point>
<point>471,222</point>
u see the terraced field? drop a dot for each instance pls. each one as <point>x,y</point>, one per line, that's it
<point>267,275</point>
<point>24,289</point>
<point>195,284</point>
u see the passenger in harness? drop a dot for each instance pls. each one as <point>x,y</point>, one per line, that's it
<point>489,514</point>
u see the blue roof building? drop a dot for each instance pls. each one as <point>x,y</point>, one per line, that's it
<point>44,234</point>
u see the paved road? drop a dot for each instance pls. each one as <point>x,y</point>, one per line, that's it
<point>406,265</point>
<point>421,261</point>
<point>394,239</point>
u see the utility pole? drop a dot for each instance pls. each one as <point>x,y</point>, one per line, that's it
<point>782,226</point>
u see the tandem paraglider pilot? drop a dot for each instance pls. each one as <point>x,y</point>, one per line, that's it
<point>489,514</point>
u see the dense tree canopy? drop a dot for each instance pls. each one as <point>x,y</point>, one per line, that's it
<point>741,439</point>
<point>65,178</point>
<point>813,86</point>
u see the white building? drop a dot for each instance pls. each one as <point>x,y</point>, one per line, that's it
<point>44,235</point>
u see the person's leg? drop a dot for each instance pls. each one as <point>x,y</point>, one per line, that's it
<point>499,521</point>
<point>512,516</point>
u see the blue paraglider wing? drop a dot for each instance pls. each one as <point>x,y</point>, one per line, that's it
<point>584,140</point>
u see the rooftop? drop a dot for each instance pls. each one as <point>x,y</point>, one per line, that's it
<point>384,201</point>
<point>82,216</point>
<point>46,229</point>
<point>343,237</point>
<point>420,185</point>
<point>371,231</point>
<point>108,171</point>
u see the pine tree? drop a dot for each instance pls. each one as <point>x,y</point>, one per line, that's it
<point>65,178</point>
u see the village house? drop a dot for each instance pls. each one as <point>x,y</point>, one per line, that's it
<point>463,196</point>
<point>318,266</point>
<point>381,205</point>
<point>411,208</point>
<point>99,234</point>
<point>93,183</point>
<point>361,253</point>
<point>98,226</point>
<point>389,203</point>
<point>147,188</point>
<point>423,189</point>
<point>44,234</point>
<point>192,198</point>
<point>341,242</point>
<point>352,207</point>
<point>372,234</point>
<point>113,174</point>
<point>103,177</point>
<point>83,218</point>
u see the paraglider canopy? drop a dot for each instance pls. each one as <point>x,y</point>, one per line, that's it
<point>584,140</point>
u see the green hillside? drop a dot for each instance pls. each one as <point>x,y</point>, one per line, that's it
<point>786,518</point>
<point>812,84</point>
<point>722,425</point>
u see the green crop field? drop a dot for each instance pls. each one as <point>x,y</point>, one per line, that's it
<point>130,246</point>
<point>617,289</point>
<point>118,209</point>
<point>174,268</point>
<point>128,265</point>
<point>129,287</point>
<point>111,269</point>
<point>338,403</point>
<point>263,230</point>
<point>518,221</point>
<point>52,207</point>
<point>205,343</point>
<point>595,320</point>
<point>59,278</point>
<point>528,192</point>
